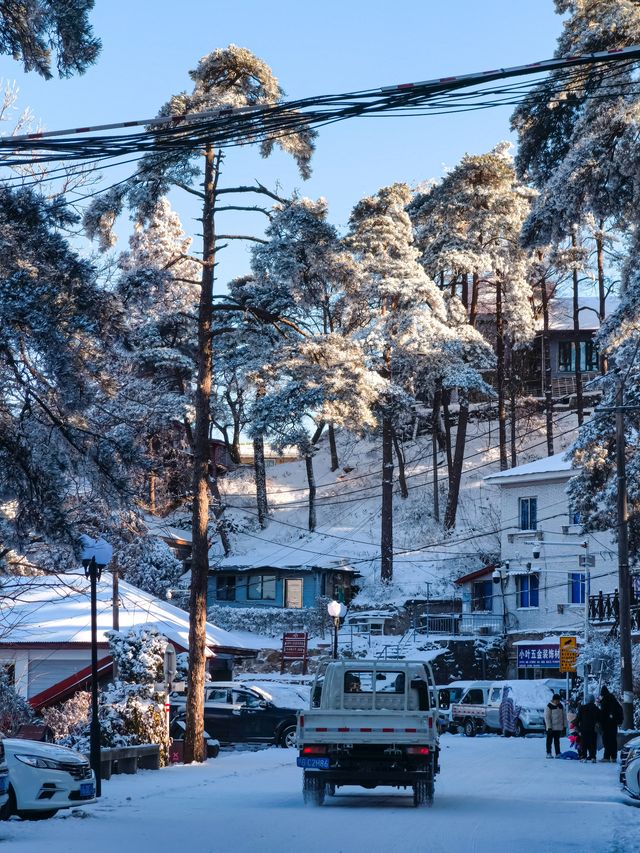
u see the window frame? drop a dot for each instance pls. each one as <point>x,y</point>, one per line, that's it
<point>577,582</point>
<point>484,597</point>
<point>525,592</point>
<point>530,502</point>
<point>228,585</point>
<point>256,583</point>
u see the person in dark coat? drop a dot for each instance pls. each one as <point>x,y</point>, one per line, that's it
<point>611,715</point>
<point>587,719</point>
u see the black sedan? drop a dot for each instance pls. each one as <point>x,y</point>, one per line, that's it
<point>241,713</point>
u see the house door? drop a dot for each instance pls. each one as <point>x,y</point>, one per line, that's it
<point>293,592</point>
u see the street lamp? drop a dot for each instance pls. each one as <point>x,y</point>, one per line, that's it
<point>337,611</point>
<point>96,554</point>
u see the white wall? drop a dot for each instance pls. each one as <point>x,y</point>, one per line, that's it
<point>559,554</point>
<point>38,669</point>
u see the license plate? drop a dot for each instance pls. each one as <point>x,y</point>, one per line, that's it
<point>315,763</point>
<point>87,791</point>
<point>4,784</point>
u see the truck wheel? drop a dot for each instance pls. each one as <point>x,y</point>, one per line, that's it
<point>469,728</point>
<point>423,793</point>
<point>312,790</point>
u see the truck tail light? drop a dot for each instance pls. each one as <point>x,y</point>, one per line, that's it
<point>313,750</point>
<point>418,750</point>
<point>430,722</point>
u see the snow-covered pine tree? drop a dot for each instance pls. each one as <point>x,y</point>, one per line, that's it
<point>230,77</point>
<point>159,287</point>
<point>467,228</point>
<point>149,564</point>
<point>38,31</point>
<point>14,709</point>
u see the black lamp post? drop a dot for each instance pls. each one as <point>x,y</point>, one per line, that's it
<point>336,610</point>
<point>95,556</point>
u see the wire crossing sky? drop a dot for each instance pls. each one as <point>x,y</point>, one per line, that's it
<point>229,127</point>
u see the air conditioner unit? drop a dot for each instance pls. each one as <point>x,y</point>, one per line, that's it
<point>565,529</point>
<point>561,608</point>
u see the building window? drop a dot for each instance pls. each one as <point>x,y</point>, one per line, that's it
<point>528,513</point>
<point>482,598</point>
<point>589,356</point>
<point>576,588</point>
<point>262,588</point>
<point>527,590</point>
<point>226,588</point>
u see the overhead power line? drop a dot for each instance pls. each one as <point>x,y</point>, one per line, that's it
<point>229,126</point>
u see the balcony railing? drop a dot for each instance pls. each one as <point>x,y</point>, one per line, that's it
<point>605,607</point>
<point>461,623</point>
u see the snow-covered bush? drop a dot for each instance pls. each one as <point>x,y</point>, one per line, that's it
<point>149,564</point>
<point>269,621</point>
<point>69,718</point>
<point>139,654</point>
<point>14,710</point>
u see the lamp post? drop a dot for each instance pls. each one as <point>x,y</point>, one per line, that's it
<point>337,611</point>
<point>96,554</point>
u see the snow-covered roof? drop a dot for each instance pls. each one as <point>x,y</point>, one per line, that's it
<point>547,468</point>
<point>561,312</point>
<point>56,609</point>
<point>159,527</point>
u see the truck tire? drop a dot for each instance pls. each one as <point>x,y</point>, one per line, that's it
<point>312,790</point>
<point>423,793</point>
<point>470,728</point>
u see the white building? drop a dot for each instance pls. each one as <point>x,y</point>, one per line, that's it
<point>547,572</point>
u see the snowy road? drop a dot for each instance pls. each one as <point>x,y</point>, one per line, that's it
<point>493,795</point>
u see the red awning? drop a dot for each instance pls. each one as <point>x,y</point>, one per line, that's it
<point>472,576</point>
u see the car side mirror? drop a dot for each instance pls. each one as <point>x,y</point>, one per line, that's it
<point>444,699</point>
<point>263,704</point>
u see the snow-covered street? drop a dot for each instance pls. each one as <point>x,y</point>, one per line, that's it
<point>493,795</point>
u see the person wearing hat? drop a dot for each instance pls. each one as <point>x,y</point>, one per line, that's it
<point>555,722</point>
<point>587,719</point>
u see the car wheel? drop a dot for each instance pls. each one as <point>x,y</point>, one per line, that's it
<point>33,815</point>
<point>9,807</point>
<point>288,737</point>
<point>469,728</point>
<point>520,729</point>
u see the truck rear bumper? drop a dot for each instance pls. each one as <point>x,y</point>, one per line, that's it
<point>370,778</point>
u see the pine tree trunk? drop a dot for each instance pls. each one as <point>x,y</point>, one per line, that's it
<point>152,492</point>
<point>333,449</point>
<point>437,398</point>
<point>464,296</point>
<point>218,511</point>
<point>386,531</point>
<point>261,480</point>
<point>311,480</point>
<point>602,293</point>
<point>576,338</point>
<point>458,461</point>
<point>234,450</point>
<point>194,736</point>
<point>475,290</point>
<point>546,361</point>
<point>404,491</point>
<point>500,354</point>
<point>446,397</point>
<point>315,438</point>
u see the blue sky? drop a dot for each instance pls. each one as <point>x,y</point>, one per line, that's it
<point>313,48</point>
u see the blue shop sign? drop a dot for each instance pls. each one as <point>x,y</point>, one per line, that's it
<point>541,657</point>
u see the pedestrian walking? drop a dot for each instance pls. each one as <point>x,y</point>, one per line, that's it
<point>508,714</point>
<point>555,722</point>
<point>611,715</point>
<point>587,719</point>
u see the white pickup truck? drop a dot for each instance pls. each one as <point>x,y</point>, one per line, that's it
<point>370,723</point>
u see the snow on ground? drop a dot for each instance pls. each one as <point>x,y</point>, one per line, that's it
<point>493,796</point>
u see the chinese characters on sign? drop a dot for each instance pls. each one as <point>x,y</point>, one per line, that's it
<point>294,647</point>
<point>542,657</point>
<point>568,654</point>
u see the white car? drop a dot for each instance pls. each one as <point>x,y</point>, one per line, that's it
<point>630,767</point>
<point>4,779</point>
<point>44,778</point>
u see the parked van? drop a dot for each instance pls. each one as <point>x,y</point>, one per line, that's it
<point>479,706</point>
<point>448,696</point>
<point>469,713</point>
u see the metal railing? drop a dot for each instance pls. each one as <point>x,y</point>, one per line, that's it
<point>605,607</point>
<point>461,623</point>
